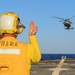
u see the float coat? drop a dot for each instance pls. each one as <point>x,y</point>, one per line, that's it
<point>16,57</point>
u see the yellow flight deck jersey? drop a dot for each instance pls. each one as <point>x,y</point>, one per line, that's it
<point>16,56</point>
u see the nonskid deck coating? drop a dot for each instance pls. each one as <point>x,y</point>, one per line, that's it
<point>47,67</point>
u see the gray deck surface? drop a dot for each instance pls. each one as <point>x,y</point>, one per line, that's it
<point>48,67</point>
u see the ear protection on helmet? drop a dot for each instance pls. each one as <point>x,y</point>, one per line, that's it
<point>20,27</point>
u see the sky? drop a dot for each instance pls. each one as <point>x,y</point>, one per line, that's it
<point>51,35</point>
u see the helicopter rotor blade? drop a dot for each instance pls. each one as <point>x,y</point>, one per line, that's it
<point>62,20</point>
<point>58,17</point>
<point>72,17</point>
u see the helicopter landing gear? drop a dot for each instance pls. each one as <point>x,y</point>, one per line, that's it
<point>69,28</point>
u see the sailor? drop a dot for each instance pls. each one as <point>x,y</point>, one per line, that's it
<point>15,56</point>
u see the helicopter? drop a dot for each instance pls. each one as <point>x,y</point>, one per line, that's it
<point>67,23</point>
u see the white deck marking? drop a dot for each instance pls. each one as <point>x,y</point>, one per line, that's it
<point>58,68</point>
<point>33,72</point>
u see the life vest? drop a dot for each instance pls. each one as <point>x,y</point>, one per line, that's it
<point>13,58</point>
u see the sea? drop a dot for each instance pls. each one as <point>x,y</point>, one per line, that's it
<point>57,56</point>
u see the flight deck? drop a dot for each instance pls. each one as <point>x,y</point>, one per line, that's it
<point>54,67</point>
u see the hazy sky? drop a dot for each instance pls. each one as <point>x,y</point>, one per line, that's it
<point>51,35</point>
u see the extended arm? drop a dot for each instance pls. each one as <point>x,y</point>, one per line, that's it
<point>33,42</point>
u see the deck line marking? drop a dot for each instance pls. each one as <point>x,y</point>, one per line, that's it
<point>58,68</point>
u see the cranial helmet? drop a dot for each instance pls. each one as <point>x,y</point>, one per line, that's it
<point>10,23</point>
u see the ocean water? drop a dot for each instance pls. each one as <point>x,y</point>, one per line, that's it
<point>57,56</point>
